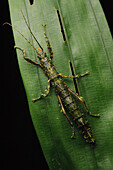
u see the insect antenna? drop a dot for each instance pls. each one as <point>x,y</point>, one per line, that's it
<point>30,30</point>
<point>6,23</point>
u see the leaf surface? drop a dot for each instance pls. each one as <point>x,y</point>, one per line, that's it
<point>89,46</point>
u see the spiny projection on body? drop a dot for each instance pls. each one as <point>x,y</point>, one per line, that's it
<point>64,94</point>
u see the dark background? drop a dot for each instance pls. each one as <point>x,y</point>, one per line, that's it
<point>20,148</point>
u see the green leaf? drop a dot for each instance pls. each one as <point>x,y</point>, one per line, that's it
<point>89,46</point>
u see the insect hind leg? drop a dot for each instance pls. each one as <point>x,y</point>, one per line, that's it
<point>76,94</point>
<point>80,98</point>
<point>64,112</point>
<point>48,43</point>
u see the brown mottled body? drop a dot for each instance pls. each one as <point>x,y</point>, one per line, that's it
<point>67,99</point>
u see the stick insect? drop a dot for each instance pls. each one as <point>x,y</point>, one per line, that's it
<point>66,96</point>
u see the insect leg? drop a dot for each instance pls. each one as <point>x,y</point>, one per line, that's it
<point>43,95</point>
<point>26,58</point>
<point>48,43</point>
<point>64,112</point>
<point>77,76</point>
<point>80,98</point>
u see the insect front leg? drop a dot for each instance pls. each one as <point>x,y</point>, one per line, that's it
<point>48,43</point>
<point>80,98</point>
<point>64,112</point>
<point>26,58</point>
<point>43,95</point>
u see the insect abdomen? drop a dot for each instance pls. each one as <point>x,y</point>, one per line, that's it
<point>81,122</point>
<point>85,130</point>
<point>73,109</point>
